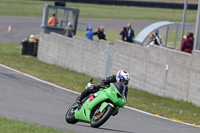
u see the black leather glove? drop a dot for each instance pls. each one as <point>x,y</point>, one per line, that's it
<point>95,88</point>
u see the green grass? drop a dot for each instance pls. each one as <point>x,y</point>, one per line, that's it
<point>10,55</point>
<point>13,126</point>
<point>35,8</point>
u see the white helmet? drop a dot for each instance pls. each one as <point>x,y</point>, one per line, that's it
<point>32,36</point>
<point>123,75</point>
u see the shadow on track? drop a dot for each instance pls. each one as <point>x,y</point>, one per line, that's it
<point>115,130</point>
<point>108,129</point>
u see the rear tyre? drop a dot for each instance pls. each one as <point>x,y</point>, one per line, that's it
<point>99,118</point>
<point>70,115</point>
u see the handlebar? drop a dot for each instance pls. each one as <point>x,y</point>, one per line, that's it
<point>105,87</point>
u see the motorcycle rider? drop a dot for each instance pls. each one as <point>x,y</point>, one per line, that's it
<point>122,76</point>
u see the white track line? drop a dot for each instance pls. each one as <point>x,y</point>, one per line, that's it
<point>1,65</point>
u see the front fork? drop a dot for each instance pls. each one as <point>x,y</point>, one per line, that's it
<point>105,104</point>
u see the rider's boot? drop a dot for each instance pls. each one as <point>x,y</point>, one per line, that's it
<point>81,97</point>
<point>85,93</point>
<point>78,100</point>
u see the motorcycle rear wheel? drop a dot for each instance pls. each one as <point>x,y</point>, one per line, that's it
<point>100,118</point>
<point>70,115</point>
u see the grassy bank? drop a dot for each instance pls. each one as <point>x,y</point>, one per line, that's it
<point>13,126</point>
<point>10,55</point>
<point>35,8</point>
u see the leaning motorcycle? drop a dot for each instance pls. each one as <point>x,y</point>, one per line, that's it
<point>98,107</point>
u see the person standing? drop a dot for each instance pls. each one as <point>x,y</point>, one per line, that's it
<point>131,33</point>
<point>151,39</point>
<point>103,31</point>
<point>124,34</point>
<point>68,30</point>
<point>53,21</point>
<point>158,37</point>
<point>89,34</point>
<point>100,34</point>
<point>187,44</point>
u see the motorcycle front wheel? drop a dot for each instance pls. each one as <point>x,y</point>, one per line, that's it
<point>70,115</point>
<point>99,118</point>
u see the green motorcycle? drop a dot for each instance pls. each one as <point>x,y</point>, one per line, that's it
<point>98,107</point>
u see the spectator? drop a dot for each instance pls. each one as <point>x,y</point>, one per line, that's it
<point>158,37</point>
<point>187,44</point>
<point>131,33</point>
<point>100,34</point>
<point>153,40</point>
<point>102,29</point>
<point>52,21</point>
<point>89,34</point>
<point>124,34</point>
<point>68,30</point>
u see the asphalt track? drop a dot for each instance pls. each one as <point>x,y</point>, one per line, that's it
<point>26,98</point>
<point>24,26</point>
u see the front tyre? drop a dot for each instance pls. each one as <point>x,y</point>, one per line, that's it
<point>99,118</point>
<point>70,115</point>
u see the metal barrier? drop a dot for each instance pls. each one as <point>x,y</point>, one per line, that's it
<point>62,15</point>
<point>143,35</point>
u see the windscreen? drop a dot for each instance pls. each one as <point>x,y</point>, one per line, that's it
<point>120,87</point>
